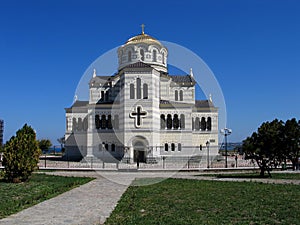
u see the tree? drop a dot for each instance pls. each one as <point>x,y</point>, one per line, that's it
<point>62,142</point>
<point>44,144</point>
<point>265,146</point>
<point>291,141</point>
<point>21,155</point>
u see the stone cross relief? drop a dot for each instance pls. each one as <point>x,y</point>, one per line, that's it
<point>138,114</point>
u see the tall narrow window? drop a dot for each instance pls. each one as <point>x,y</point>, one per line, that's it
<point>182,121</point>
<point>181,95</point>
<point>154,55</point>
<point>97,121</point>
<point>175,122</point>
<point>116,122</point>
<point>79,125</point>
<point>131,91</point>
<point>142,54</point>
<point>103,122</point>
<point>129,56</point>
<point>102,96</point>
<point>163,58</point>
<point>179,147</point>
<point>113,147</point>
<point>166,147</point>
<point>74,127</point>
<point>193,124</point>
<point>145,91</point>
<point>85,123</point>
<point>203,124</point>
<point>162,121</point>
<point>172,147</point>
<point>208,125</point>
<point>109,124</point>
<point>106,96</point>
<point>106,147</point>
<point>176,95</point>
<point>169,121</point>
<point>197,123</point>
<point>138,88</point>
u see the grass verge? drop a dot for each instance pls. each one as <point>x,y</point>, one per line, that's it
<point>16,197</point>
<point>177,201</point>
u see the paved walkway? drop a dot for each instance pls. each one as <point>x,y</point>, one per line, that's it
<point>88,204</point>
<point>92,203</point>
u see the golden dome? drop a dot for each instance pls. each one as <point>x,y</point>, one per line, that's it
<point>143,38</point>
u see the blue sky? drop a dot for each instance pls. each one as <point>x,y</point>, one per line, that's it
<point>252,47</point>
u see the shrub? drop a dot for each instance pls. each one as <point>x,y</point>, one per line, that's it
<point>21,155</point>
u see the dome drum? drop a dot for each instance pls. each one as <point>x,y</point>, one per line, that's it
<point>143,48</point>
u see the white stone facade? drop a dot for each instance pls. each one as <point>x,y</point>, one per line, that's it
<point>141,113</point>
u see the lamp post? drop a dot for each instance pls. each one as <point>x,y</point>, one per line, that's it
<point>226,132</point>
<point>207,146</point>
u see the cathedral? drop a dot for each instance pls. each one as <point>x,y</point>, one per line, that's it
<point>141,113</point>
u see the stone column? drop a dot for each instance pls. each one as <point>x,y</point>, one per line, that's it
<point>90,141</point>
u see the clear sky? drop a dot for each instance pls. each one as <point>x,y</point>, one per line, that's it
<point>252,47</point>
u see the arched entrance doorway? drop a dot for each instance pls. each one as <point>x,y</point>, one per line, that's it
<point>139,149</point>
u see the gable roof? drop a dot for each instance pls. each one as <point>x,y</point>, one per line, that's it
<point>182,78</point>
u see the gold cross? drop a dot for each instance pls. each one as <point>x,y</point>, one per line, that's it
<point>143,28</point>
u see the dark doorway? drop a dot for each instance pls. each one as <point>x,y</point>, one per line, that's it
<point>139,156</point>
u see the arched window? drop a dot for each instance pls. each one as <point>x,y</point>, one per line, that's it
<point>169,121</point>
<point>131,91</point>
<point>113,147</point>
<point>74,127</point>
<point>182,121</point>
<point>197,123</point>
<point>106,147</point>
<point>145,91</point>
<point>203,124</point>
<point>166,147</point>
<point>162,121</point>
<point>179,147</point>
<point>200,147</point>
<point>142,54</point>
<point>172,147</point>
<point>103,122</point>
<point>116,122</point>
<point>85,123</point>
<point>109,124</point>
<point>208,125</point>
<point>176,95</point>
<point>154,55</point>
<point>138,88</point>
<point>181,95</point>
<point>175,122</point>
<point>129,56</point>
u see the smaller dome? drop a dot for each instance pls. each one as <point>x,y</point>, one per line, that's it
<point>143,38</point>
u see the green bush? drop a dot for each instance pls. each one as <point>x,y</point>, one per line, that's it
<point>21,155</point>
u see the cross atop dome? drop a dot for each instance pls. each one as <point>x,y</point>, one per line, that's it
<point>143,28</point>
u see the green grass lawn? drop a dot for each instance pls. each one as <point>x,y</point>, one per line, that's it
<point>290,176</point>
<point>178,201</point>
<point>16,197</point>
